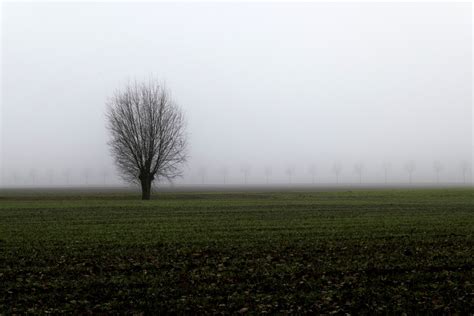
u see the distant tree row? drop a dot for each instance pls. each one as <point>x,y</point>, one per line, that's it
<point>359,169</point>
<point>65,176</point>
<point>105,176</point>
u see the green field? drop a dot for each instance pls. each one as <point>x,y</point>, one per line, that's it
<point>359,251</point>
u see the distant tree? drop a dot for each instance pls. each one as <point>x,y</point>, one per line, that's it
<point>386,166</point>
<point>202,172</point>
<point>14,177</point>
<point>86,173</point>
<point>50,175</point>
<point>290,171</point>
<point>105,174</point>
<point>410,167</point>
<point>312,171</point>
<point>336,169</point>
<point>245,169</point>
<point>437,167</point>
<point>359,169</point>
<point>148,138</point>
<point>224,171</point>
<point>33,175</point>
<point>66,173</point>
<point>268,173</point>
<point>465,168</point>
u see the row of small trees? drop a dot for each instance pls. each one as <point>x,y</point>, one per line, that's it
<point>105,176</point>
<point>65,176</point>
<point>337,168</point>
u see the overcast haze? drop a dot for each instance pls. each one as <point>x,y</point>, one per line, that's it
<point>279,85</point>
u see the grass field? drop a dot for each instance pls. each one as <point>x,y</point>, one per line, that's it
<point>359,251</point>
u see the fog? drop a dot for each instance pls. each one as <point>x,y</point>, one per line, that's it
<point>264,86</point>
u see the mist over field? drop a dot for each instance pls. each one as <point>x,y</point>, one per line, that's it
<point>282,158</point>
<point>277,93</point>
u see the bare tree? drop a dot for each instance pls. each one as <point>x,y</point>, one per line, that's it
<point>437,167</point>
<point>268,173</point>
<point>148,138</point>
<point>290,171</point>
<point>33,174</point>
<point>245,169</point>
<point>202,172</point>
<point>410,167</point>
<point>336,169</point>
<point>224,171</point>
<point>105,174</point>
<point>14,176</point>
<point>386,166</point>
<point>359,169</point>
<point>86,173</point>
<point>312,171</point>
<point>66,174</point>
<point>50,175</point>
<point>465,168</point>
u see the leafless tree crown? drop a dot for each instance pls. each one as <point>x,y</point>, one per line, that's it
<point>337,168</point>
<point>147,132</point>
<point>410,166</point>
<point>359,168</point>
<point>268,171</point>
<point>438,166</point>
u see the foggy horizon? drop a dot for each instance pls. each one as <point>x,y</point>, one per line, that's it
<point>262,85</point>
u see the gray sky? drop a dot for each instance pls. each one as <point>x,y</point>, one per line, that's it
<point>264,84</point>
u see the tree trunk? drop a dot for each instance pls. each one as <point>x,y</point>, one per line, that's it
<point>145,181</point>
